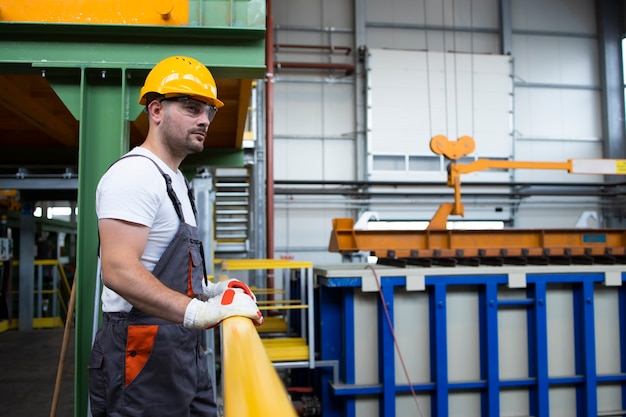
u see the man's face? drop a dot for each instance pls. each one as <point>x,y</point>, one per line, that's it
<point>185,124</point>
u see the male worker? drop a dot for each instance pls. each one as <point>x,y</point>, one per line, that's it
<point>147,358</point>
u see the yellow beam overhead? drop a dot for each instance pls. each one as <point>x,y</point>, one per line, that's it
<point>123,12</point>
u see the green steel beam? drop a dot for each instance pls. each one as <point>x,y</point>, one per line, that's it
<point>58,157</point>
<point>231,52</point>
<point>103,138</point>
<point>55,157</point>
<point>215,158</point>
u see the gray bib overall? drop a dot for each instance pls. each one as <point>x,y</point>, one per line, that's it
<point>142,366</point>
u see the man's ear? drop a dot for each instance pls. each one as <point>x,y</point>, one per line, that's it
<point>155,110</point>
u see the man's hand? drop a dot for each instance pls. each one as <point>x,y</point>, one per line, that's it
<point>211,289</point>
<point>210,313</point>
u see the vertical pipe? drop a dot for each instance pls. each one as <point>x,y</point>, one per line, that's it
<point>269,135</point>
<point>506,31</point>
<point>360,90</point>
<point>610,27</point>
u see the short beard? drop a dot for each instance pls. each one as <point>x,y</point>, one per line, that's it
<point>179,143</point>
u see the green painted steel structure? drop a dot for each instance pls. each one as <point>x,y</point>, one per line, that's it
<point>97,71</point>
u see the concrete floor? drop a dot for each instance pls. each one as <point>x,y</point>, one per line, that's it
<point>29,361</point>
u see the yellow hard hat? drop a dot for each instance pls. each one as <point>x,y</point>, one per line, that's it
<point>181,75</point>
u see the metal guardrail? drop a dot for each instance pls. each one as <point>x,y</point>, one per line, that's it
<point>60,293</point>
<point>252,387</point>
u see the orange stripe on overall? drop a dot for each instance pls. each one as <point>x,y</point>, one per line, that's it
<point>138,348</point>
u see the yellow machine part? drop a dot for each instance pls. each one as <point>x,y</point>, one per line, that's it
<point>135,12</point>
<point>286,349</point>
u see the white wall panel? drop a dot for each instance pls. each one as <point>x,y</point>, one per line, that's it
<point>435,13</point>
<point>557,113</point>
<point>338,112</point>
<point>477,13</point>
<point>417,95</point>
<point>289,155</point>
<point>314,159</point>
<point>574,16</point>
<point>313,109</point>
<point>298,109</point>
<point>298,12</point>
<point>304,232</point>
<point>306,13</point>
<point>549,59</point>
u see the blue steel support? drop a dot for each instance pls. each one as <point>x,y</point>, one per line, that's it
<point>438,350</point>
<point>386,358</point>
<point>341,400</point>
<point>489,366</point>
<point>538,352</point>
<point>622,333</point>
<point>585,354</point>
<point>349,347</point>
<point>330,311</point>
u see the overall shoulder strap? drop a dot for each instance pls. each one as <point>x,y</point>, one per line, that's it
<point>168,184</point>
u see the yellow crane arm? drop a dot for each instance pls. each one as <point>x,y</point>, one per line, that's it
<point>465,145</point>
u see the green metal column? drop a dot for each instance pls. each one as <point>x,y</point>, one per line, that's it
<point>103,138</point>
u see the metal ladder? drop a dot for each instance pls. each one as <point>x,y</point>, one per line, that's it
<point>232,212</point>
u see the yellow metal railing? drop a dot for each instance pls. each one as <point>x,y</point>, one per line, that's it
<point>61,292</point>
<point>286,348</point>
<point>252,387</point>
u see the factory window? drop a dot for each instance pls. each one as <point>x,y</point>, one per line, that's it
<point>389,163</point>
<point>424,163</point>
<point>55,212</point>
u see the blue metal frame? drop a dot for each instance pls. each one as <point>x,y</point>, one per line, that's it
<point>337,342</point>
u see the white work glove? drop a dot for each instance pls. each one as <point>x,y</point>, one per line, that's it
<point>211,289</point>
<point>232,302</point>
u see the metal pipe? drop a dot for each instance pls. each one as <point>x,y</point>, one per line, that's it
<point>348,68</point>
<point>269,135</point>
<point>347,49</point>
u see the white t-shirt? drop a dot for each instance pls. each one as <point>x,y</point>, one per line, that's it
<point>134,190</point>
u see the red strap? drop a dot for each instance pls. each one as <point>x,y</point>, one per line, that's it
<point>189,275</point>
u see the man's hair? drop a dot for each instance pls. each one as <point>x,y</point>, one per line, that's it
<point>151,96</point>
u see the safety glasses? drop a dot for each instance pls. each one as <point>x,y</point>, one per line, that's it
<point>194,108</point>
